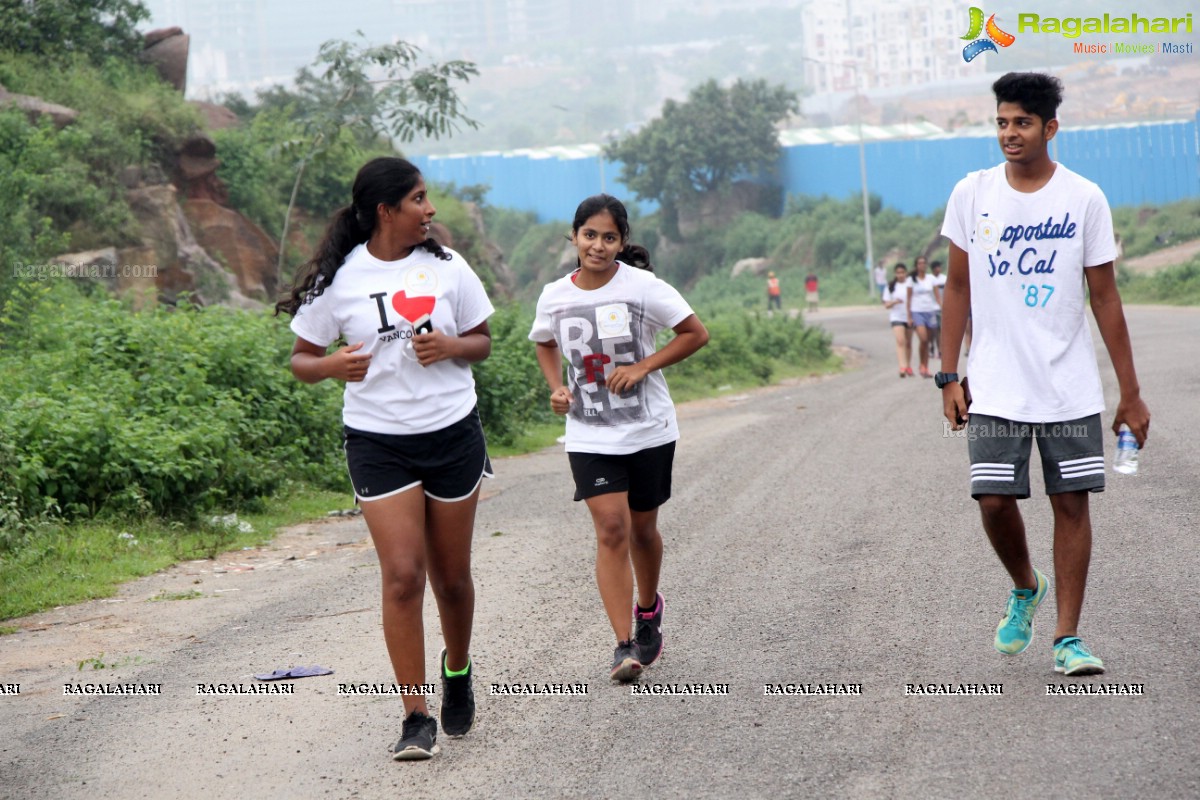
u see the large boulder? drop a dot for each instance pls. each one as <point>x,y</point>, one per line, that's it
<point>216,117</point>
<point>167,50</point>
<point>35,108</point>
<point>181,264</point>
<point>245,249</point>
<point>753,266</point>
<point>196,169</point>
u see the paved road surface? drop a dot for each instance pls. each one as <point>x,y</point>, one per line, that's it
<point>819,533</point>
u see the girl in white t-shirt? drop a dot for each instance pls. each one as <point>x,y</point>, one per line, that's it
<point>895,300</point>
<point>415,319</point>
<point>621,430</point>
<point>924,301</point>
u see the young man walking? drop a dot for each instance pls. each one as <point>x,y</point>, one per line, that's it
<point>1026,236</point>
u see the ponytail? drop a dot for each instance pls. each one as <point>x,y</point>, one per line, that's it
<point>345,232</point>
<point>381,181</point>
<point>636,256</point>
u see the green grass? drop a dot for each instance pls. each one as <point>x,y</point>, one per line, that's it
<point>535,438</point>
<point>62,564</point>
<point>687,388</point>
<point>1177,286</point>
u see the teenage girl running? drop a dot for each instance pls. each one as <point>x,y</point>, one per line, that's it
<point>895,300</point>
<point>621,431</point>
<point>415,317</point>
<point>924,301</point>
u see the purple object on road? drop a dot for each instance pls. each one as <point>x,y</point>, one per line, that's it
<point>294,672</point>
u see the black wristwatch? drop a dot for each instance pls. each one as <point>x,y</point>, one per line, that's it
<point>940,379</point>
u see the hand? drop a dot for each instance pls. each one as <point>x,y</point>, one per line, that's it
<point>560,401</point>
<point>430,348</point>
<point>954,405</point>
<point>1136,415</point>
<point>625,377</point>
<point>347,364</point>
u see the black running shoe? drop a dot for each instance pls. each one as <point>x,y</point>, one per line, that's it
<point>418,738</point>
<point>647,633</point>
<point>458,701</point>
<point>626,667</point>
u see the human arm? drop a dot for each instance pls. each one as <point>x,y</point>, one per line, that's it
<point>312,364</point>
<point>1110,319</point>
<point>956,305</point>
<point>473,346</point>
<point>909,291</point>
<point>690,336</point>
<point>549,359</point>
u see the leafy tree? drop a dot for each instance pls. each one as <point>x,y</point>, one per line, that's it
<point>96,28</point>
<point>373,91</point>
<point>702,144</point>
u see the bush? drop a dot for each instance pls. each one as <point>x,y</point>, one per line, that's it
<point>512,392</point>
<point>170,412</point>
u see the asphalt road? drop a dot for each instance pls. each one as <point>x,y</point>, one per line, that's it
<point>820,533</point>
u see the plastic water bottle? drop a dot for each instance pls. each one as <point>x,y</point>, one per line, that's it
<point>1126,459</point>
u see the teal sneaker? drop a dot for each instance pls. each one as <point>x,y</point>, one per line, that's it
<point>1015,631</point>
<point>1071,657</point>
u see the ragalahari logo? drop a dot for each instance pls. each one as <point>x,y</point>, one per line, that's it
<point>995,36</point>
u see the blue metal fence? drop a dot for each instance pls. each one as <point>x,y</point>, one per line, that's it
<point>1136,164</point>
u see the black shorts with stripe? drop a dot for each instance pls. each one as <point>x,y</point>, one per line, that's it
<point>447,464</point>
<point>1072,454</point>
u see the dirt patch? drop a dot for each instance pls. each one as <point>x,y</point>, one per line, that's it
<point>1167,257</point>
<point>164,606</point>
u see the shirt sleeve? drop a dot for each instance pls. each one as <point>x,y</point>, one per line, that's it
<point>314,322</point>
<point>1099,244</point>
<point>665,306</point>
<point>473,306</point>
<point>543,325</point>
<point>954,226</point>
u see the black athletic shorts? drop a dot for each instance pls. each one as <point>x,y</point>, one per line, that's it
<point>449,464</point>
<point>645,475</point>
<point>1072,455</point>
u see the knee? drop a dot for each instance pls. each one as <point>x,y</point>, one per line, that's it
<point>995,507</point>
<point>1071,508</point>
<point>453,588</point>
<point>403,583</point>
<point>612,532</point>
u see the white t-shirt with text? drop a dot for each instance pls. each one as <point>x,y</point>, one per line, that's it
<point>1032,357</point>
<point>597,330</point>
<point>898,312</point>
<point>382,303</point>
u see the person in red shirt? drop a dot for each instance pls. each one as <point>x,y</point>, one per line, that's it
<point>810,291</point>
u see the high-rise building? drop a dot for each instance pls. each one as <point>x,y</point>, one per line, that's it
<point>883,44</point>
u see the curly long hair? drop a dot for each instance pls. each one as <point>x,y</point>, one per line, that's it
<point>381,180</point>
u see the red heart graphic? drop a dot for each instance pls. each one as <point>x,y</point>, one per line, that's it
<point>412,308</point>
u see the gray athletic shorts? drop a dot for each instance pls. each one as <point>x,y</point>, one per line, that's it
<point>1072,455</point>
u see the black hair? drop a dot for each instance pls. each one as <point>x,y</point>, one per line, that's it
<point>892,282</point>
<point>632,254</point>
<point>385,180</point>
<point>1035,92</point>
<point>934,264</point>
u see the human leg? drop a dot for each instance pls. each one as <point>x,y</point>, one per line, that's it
<point>612,520</point>
<point>646,553</point>
<point>1072,556</point>
<point>923,350</point>
<point>397,527</point>
<point>449,531</point>
<point>903,339</point>
<point>448,545</point>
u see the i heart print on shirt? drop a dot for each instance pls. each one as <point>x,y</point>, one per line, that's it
<point>416,310</point>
